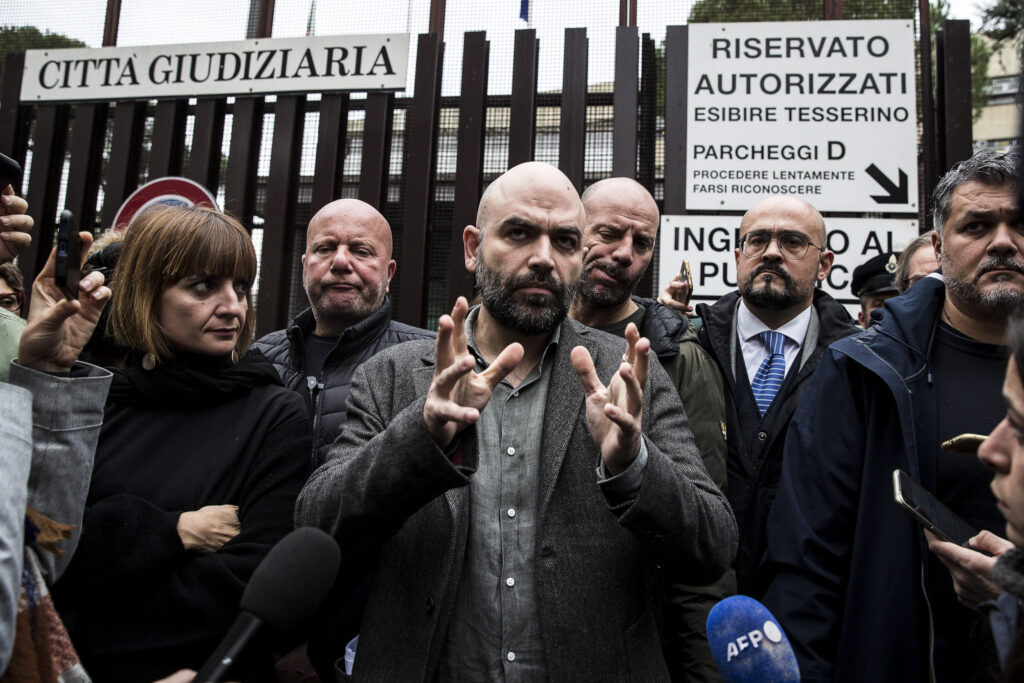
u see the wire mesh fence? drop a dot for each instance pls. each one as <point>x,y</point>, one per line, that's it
<point>151,22</point>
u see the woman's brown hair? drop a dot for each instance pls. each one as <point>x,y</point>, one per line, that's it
<point>164,245</point>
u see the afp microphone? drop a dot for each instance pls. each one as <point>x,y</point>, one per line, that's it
<point>284,591</point>
<point>748,644</point>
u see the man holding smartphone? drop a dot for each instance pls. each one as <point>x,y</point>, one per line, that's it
<point>854,584</point>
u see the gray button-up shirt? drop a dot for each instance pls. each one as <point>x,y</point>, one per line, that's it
<point>495,631</point>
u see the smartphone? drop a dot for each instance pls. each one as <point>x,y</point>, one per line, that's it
<point>687,276</point>
<point>929,511</point>
<point>68,268</point>
<point>10,173</point>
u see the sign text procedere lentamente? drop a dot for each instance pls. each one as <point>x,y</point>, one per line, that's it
<point>265,65</point>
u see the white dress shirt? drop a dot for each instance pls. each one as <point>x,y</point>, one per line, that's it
<point>749,327</point>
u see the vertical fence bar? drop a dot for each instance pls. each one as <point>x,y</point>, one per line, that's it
<point>522,125</point>
<point>125,157</point>
<point>469,170</point>
<point>111,23</point>
<point>243,158</point>
<point>676,47</point>
<point>625,100</point>
<point>44,185</point>
<point>15,118</point>
<point>207,141</point>
<point>422,122</point>
<point>167,153</point>
<point>956,78</point>
<point>647,136</point>
<point>282,191</point>
<point>376,162</point>
<point>929,175</point>
<point>332,139</point>
<point>86,162</point>
<point>572,136</point>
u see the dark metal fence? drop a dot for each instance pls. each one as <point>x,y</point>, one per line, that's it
<point>422,156</point>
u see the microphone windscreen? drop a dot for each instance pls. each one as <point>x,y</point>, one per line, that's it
<point>748,644</point>
<point>293,579</point>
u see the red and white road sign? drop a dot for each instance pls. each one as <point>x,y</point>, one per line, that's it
<point>169,191</point>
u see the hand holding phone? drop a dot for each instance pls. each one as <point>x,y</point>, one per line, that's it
<point>10,172</point>
<point>15,223</point>
<point>68,267</point>
<point>929,510</point>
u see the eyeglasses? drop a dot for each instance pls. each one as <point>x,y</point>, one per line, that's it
<point>793,245</point>
<point>12,301</point>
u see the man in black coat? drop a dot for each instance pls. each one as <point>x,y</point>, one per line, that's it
<point>619,239</point>
<point>781,256</point>
<point>346,271</point>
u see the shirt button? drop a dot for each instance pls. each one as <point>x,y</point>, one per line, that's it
<point>510,582</point>
<point>511,656</point>
<point>761,436</point>
<point>511,512</point>
<point>511,450</point>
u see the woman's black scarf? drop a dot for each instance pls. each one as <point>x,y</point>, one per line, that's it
<point>190,380</point>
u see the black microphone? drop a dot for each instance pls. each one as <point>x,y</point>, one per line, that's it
<point>284,591</point>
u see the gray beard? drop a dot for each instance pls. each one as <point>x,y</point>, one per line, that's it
<point>995,305</point>
<point>527,314</point>
<point>603,298</point>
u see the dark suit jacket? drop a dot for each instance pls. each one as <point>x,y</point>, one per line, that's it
<point>394,500</point>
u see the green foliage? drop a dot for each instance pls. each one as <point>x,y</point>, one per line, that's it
<point>1004,21</point>
<point>980,55</point>
<point>21,38</point>
<point>705,11</point>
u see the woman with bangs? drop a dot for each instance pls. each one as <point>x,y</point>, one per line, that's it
<point>200,458</point>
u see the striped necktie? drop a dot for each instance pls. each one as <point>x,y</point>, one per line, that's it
<point>772,372</point>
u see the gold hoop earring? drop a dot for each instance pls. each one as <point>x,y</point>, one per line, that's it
<point>149,361</point>
<point>234,356</point>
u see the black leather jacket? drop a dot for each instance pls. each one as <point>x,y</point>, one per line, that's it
<point>285,349</point>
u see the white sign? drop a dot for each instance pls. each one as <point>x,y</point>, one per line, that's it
<point>708,243</point>
<point>265,65</point>
<point>823,110</point>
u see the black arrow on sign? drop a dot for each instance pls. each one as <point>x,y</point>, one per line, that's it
<point>897,194</point>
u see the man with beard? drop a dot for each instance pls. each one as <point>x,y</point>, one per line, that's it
<point>513,484</point>
<point>346,270</point>
<point>854,584</point>
<point>767,339</point>
<point>619,238</point>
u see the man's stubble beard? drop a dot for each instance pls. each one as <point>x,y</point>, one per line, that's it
<point>604,298</point>
<point>530,315</point>
<point>995,305</point>
<point>325,310</point>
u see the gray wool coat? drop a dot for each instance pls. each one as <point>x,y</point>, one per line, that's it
<point>397,505</point>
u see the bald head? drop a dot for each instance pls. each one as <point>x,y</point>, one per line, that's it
<point>782,255</point>
<point>347,267</point>
<point>532,182</point>
<point>353,212</point>
<point>786,208</point>
<point>623,193</point>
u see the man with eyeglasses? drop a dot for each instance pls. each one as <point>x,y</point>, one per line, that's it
<point>767,339</point>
